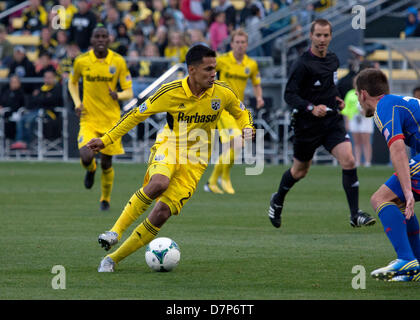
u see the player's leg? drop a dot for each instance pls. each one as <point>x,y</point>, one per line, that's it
<point>228,161</point>
<point>107,181</point>
<point>139,238</point>
<point>387,202</point>
<point>88,162</point>
<point>304,147</point>
<point>342,151</point>
<point>298,171</point>
<point>367,148</point>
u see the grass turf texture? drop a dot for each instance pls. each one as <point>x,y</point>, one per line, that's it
<point>229,249</point>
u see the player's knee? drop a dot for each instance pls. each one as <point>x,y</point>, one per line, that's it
<point>160,214</point>
<point>299,173</point>
<point>157,185</point>
<point>376,200</point>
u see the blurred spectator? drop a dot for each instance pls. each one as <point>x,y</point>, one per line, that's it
<point>65,64</point>
<point>230,13</point>
<point>176,47</point>
<point>307,15</point>
<point>411,22</point>
<point>161,39</point>
<point>22,67</point>
<point>6,48</point>
<point>193,12</point>
<point>47,43</point>
<point>11,97</point>
<point>194,37</point>
<point>47,98</point>
<point>44,63</point>
<point>416,92</point>
<point>158,8</point>
<point>122,40</point>
<point>132,17</point>
<point>34,18</point>
<point>254,35</point>
<point>62,40</point>
<point>139,42</point>
<point>147,23</point>
<point>82,25</point>
<point>245,13</point>
<point>112,21</point>
<point>66,15</point>
<point>173,10</point>
<point>97,7</point>
<point>218,30</point>
<point>321,5</point>
<point>297,49</point>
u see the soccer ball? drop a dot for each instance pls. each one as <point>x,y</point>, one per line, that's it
<point>162,254</point>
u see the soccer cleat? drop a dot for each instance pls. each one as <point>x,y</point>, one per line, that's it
<point>362,219</point>
<point>274,212</point>
<point>106,265</point>
<point>213,188</point>
<point>414,278</point>
<point>108,239</point>
<point>398,267</point>
<point>89,179</point>
<point>227,186</point>
<point>104,205</point>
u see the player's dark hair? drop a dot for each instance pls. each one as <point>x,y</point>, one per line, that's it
<point>416,89</point>
<point>321,22</point>
<point>374,81</point>
<point>196,54</point>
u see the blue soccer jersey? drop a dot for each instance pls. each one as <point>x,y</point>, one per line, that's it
<point>398,117</point>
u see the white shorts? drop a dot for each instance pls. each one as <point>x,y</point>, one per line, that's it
<point>361,124</point>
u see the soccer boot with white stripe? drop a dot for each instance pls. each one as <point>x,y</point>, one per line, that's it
<point>274,212</point>
<point>398,267</point>
<point>108,239</point>
<point>213,188</point>
<point>106,265</point>
<point>414,278</point>
<point>362,219</point>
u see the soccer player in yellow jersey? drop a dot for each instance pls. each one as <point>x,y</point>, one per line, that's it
<point>193,107</point>
<point>101,70</point>
<point>235,68</point>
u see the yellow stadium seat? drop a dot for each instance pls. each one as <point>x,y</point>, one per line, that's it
<point>24,40</point>
<point>382,55</point>
<point>4,73</point>
<point>17,23</point>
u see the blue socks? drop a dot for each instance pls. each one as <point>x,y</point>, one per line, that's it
<point>396,228</point>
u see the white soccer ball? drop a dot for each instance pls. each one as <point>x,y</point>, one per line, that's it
<point>162,254</point>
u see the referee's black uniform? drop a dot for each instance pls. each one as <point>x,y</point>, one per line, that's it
<point>312,82</point>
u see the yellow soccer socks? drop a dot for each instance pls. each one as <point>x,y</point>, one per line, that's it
<point>140,237</point>
<point>138,204</point>
<point>107,181</point>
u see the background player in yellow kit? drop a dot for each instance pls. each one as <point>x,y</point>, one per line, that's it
<point>193,106</point>
<point>234,68</point>
<point>101,70</point>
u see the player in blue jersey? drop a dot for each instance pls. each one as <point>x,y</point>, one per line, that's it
<point>398,119</point>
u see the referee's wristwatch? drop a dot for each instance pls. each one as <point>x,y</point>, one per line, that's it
<point>310,107</point>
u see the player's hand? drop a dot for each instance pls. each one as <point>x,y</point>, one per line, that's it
<point>79,110</point>
<point>319,110</point>
<point>113,94</point>
<point>341,103</point>
<point>248,133</point>
<point>260,102</point>
<point>95,144</point>
<point>409,206</point>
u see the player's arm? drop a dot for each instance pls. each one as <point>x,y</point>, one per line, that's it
<point>242,115</point>
<point>399,158</point>
<point>258,96</point>
<point>256,85</point>
<point>125,83</point>
<point>293,87</point>
<point>73,86</point>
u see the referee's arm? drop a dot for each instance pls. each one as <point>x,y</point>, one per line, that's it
<point>294,87</point>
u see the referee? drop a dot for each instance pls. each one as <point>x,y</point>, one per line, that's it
<point>312,93</point>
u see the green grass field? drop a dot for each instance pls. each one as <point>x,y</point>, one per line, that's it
<point>229,250</point>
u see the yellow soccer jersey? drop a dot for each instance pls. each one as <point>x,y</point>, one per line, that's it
<point>237,74</point>
<point>186,113</point>
<point>100,75</point>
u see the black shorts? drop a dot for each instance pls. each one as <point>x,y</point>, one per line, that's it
<point>309,134</point>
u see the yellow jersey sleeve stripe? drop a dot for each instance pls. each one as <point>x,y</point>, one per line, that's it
<point>224,85</point>
<point>155,97</point>
<point>163,87</point>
